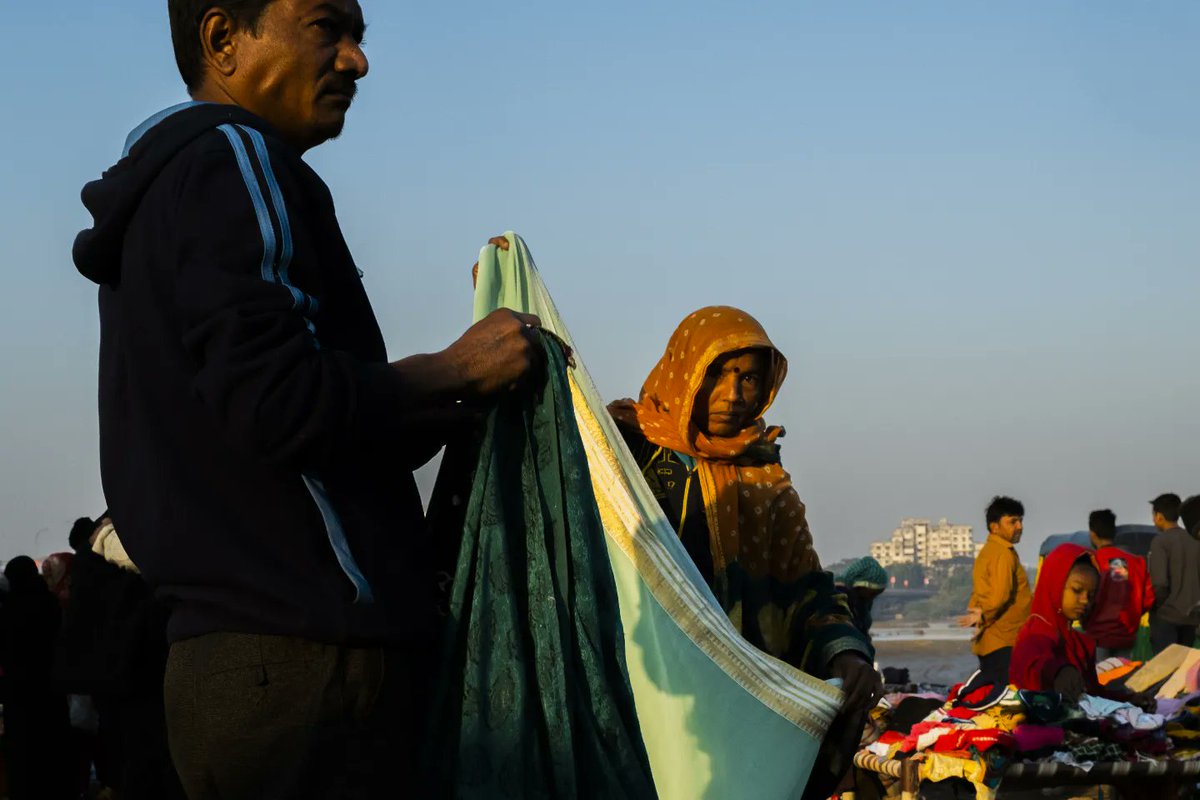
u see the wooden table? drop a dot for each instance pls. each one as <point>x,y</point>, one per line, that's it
<point>1161,779</point>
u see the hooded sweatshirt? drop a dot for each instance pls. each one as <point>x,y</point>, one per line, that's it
<point>1125,594</point>
<point>1047,643</point>
<point>256,448</point>
<point>1001,592</point>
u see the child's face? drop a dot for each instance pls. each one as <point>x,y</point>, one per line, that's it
<point>1079,592</point>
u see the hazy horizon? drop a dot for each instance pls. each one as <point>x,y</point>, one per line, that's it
<point>971,227</point>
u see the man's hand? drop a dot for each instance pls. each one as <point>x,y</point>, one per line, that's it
<point>501,243</point>
<point>1070,683</point>
<point>496,352</point>
<point>971,619</point>
<point>860,681</point>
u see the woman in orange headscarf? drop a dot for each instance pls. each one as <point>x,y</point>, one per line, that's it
<point>698,434</point>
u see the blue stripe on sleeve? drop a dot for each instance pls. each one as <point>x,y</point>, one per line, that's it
<point>337,539</point>
<point>256,197</point>
<point>285,257</point>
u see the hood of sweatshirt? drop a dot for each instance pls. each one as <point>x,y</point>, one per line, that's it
<point>1056,568</point>
<point>116,195</point>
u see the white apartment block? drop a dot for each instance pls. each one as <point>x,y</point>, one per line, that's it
<point>918,541</point>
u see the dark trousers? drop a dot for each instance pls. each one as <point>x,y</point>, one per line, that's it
<point>993,667</point>
<point>143,769</point>
<point>1163,634</point>
<point>273,717</point>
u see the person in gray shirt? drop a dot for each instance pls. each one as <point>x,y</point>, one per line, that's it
<point>1174,563</point>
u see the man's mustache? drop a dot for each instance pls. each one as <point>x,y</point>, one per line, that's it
<point>345,88</point>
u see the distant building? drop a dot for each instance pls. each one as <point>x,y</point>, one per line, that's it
<point>918,541</point>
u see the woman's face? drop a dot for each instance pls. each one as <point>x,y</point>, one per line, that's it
<point>1079,592</point>
<point>733,393</point>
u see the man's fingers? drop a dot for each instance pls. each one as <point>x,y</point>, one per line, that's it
<point>529,320</point>
<point>499,241</point>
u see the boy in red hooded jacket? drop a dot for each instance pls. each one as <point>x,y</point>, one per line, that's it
<point>1050,654</point>
<point>1125,592</point>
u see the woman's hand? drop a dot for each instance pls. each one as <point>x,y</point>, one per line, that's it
<point>500,242</point>
<point>1069,682</point>
<point>859,679</point>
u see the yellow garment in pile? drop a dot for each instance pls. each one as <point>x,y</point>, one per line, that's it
<point>940,767</point>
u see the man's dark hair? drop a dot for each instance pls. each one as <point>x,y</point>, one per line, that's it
<point>1190,511</point>
<point>185,30</point>
<point>1168,505</point>
<point>81,532</point>
<point>1001,507</point>
<point>1103,523</point>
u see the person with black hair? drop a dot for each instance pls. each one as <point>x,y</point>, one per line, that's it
<point>257,443</point>
<point>1125,591</point>
<point>1174,562</point>
<point>36,725</point>
<point>80,537</point>
<point>1001,598</point>
<point>113,649</point>
<point>1164,511</point>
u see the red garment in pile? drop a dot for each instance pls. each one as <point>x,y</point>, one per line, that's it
<point>982,741</point>
<point>924,735</point>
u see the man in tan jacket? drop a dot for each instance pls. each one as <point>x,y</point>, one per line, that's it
<point>1001,601</point>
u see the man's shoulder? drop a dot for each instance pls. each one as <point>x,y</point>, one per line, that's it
<point>1173,537</point>
<point>236,160</point>
<point>242,148</point>
<point>986,553</point>
<point>997,548</point>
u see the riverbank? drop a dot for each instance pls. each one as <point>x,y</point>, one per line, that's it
<point>940,661</point>
<point>942,630</point>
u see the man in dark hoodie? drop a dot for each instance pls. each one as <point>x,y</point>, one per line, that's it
<point>256,444</point>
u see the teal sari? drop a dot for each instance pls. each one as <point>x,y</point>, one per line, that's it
<point>719,718</point>
<point>535,701</point>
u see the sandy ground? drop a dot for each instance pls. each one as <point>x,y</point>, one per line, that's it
<point>928,661</point>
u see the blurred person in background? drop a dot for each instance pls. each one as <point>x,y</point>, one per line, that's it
<point>1125,592</point>
<point>36,727</point>
<point>1174,562</point>
<point>862,582</point>
<point>1001,600</point>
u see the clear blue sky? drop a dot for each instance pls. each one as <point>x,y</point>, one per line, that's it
<point>971,226</point>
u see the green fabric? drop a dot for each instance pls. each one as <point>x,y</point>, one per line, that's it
<point>719,723</point>
<point>1143,649</point>
<point>535,700</point>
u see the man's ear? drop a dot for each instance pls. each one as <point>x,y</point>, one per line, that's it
<point>218,42</point>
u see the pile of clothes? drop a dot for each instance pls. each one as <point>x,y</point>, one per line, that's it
<point>975,732</point>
